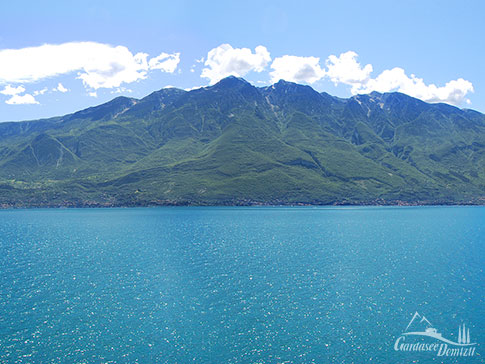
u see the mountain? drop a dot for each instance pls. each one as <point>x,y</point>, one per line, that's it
<point>233,143</point>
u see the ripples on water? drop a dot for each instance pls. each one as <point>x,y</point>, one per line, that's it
<point>235,285</point>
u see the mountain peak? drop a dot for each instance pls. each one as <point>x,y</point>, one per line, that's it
<point>291,87</point>
<point>165,92</point>
<point>284,82</point>
<point>232,81</point>
<point>106,110</point>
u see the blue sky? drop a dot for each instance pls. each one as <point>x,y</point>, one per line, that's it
<point>57,57</point>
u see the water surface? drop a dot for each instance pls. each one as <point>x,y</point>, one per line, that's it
<point>236,285</point>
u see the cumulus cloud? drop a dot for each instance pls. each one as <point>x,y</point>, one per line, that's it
<point>98,65</point>
<point>10,90</point>
<point>345,69</point>
<point>297,69</point>
<point>60,88</point>
<point>193,88</point>
<point>453,92</point>
<point>120,90</point>
<point>40,92</point>
<point>226,61</point>
<point>15,96</point>
<point>165,62</point>
<point>21,100</point>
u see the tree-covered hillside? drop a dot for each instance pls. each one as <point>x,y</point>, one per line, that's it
<point>233,143</point>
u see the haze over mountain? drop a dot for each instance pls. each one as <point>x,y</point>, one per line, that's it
<point>233,143</point>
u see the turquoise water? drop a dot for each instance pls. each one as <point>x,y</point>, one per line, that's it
<point>237,285</point>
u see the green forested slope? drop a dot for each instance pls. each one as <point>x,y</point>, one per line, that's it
<point>233,143</point>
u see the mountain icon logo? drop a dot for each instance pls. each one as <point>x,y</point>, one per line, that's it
<point>422,330</point>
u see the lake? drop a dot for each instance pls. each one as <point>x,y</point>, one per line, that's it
<point>238,285</point>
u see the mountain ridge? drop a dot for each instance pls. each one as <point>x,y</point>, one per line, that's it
<point>234,143</point>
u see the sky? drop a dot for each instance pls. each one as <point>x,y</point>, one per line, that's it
<point>57,57</point>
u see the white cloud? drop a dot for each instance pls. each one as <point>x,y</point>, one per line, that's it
<point>120,90</point>
<point>347,70</point>
<point>22,100</point>
<point>297,69</point>
<point>226,61</point>
<point>165,62</point>
<point>193,88</point>
<point>60,88</point>
<point>100,65</point>
<point>15,96</point>
<point>40,92</point>
<point>11,91</point>
<point>454,92</point>
<point>97,65</point>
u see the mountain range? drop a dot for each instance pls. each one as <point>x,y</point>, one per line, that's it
<point>236,144</point>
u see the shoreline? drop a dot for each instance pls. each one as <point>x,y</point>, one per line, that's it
<point>95,205</point>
